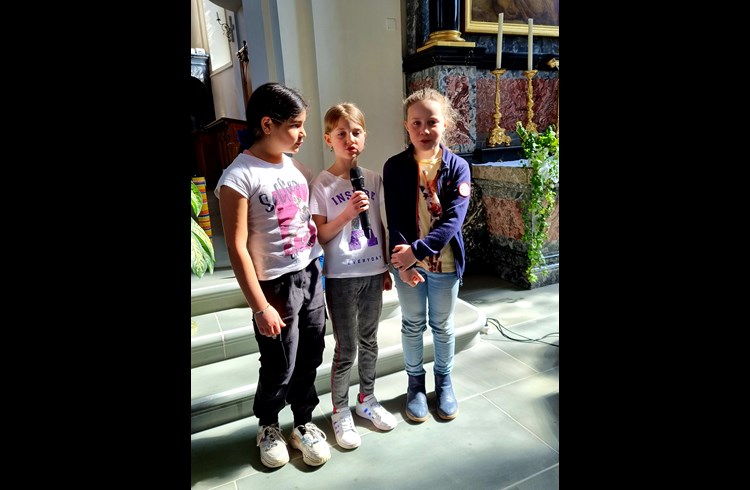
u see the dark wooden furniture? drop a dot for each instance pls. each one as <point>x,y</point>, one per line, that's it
<point>216,146</point>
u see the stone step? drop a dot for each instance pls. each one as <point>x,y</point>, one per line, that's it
<point>215,292</point>
<point>225,358</point>
<point>229,333</point>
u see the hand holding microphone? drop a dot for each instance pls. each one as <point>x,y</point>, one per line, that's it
<point>357,179</point>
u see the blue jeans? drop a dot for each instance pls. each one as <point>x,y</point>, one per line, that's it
<point>440,292</point>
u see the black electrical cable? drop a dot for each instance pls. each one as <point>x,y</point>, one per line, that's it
<point>500,328</point>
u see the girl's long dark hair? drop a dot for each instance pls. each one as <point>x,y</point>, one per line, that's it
<point>274,100</point>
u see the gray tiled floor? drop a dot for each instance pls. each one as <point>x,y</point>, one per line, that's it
<point>505,437</point>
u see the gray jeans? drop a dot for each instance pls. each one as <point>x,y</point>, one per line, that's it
<point>354,306</point>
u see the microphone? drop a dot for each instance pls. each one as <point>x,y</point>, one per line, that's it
<point>358,183</point>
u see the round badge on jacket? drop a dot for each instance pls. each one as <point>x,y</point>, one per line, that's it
<point>464,189</point>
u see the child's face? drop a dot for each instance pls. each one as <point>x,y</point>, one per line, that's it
<point>425,125</point>
<point>288,135</point>
<point>347,139</point>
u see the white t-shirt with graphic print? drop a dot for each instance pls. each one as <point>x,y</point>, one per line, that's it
<point>282,236</point>
<point>350,253</point>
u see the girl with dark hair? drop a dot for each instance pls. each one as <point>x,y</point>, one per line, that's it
<point>273,248</point>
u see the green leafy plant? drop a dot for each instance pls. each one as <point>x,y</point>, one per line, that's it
<point>202,249</point>
<point>542,151</point>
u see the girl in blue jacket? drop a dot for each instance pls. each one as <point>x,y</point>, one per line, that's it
<point>427,191</point>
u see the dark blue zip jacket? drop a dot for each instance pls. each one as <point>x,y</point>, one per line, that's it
<point>401,187</point>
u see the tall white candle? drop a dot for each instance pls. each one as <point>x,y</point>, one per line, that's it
<point>531,44</point>
<point>500,17</point>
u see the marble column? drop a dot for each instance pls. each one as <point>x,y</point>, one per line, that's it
<point>444,23</point>
<point>444,15</point>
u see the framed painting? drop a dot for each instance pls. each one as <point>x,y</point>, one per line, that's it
<point>481,16</point>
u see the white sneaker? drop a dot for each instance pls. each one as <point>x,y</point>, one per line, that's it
<point>343,426</point>
<point>372,410</point>
<point>273,451</point>
<point>312,442</point>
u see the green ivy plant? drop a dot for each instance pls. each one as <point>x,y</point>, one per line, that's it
<point>542,152</point>
<point>202,249</point>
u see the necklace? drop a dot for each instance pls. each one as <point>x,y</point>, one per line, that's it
<point>430,161</point>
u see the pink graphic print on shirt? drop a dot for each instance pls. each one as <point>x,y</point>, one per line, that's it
<point>298,233</point>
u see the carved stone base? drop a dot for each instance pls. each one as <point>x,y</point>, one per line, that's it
<point>494,228</point>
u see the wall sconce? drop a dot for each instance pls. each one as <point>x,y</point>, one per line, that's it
<point>227,28</point>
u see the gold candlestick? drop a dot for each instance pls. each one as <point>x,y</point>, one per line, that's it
<point>497,135</point>
<point>530,126</point>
